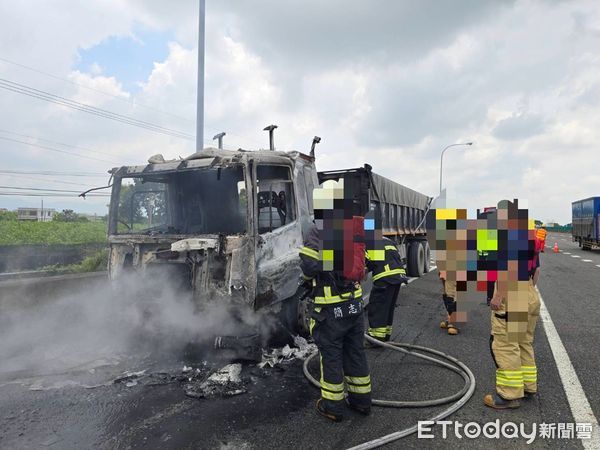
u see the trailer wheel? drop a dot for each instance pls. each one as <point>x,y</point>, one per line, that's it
<point>427,263</point>
<point>416,259</point>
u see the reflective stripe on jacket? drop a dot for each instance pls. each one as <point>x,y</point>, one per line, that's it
<point>541,234</point>
<point>328,287</point>
<point>390,270</point>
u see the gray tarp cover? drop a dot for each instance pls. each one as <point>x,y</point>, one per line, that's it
<point>391,192</point>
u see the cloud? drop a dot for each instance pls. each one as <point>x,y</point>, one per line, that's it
<point>390,83</point>
<point>89,85</point>
<point>519,126</point>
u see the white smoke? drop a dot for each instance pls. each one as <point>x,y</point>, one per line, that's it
<point>106,324</point>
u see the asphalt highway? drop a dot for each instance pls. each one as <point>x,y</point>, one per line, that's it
<point>277,411</point>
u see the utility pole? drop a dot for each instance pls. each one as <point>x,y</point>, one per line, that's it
<point>200,102</point>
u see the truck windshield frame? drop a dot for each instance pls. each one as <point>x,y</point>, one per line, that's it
<point>276,206</point>
<point>199,201</point>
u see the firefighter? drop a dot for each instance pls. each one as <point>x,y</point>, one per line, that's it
<point>388,276</point>
<point>337,324</point>
<point>449,299</point>
<point>514,315</point>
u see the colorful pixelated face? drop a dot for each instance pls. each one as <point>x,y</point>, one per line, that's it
<point>477,249</point>
<point>339,229</point>
<point>494,248</point>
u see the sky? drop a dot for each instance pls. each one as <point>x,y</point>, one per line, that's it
<point>389,83</point>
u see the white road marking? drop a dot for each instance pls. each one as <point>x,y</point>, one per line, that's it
<point>578,402</point>
<point>597,265</point>
<point>575,256</point>
<point>567,253</point>
<point>587,260</point>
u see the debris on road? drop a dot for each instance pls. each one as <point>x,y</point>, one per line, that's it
<point>276,356</point>
<point>225,382</point>
<point>129,378</point>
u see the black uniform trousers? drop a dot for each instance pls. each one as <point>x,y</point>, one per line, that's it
<point>343,358</point>
<point>382,304</point>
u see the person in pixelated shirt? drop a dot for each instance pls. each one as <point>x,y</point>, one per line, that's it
<point>446,235</point>
<point>507,238</point>
<point>515,308</point>
<point>337,324</point>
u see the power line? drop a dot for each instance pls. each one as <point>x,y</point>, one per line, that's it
<point>56,150</point>
<point>34,192</point>
<point>38,179</point>
<point>56,143</point>
<point>19,194</point>
<point>132,103</point>
<point>54,173</point>
<point>39,189</point>
<point>56,99</point>
<point>129,102</point>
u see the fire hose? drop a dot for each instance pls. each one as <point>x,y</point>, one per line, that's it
<point>460,398</point>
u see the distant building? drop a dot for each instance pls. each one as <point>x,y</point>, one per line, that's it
<point>37,214</point>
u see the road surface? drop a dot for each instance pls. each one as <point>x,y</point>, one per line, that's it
<point>277,411</point>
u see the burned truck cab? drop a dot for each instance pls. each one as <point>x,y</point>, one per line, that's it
<point>224,226</point>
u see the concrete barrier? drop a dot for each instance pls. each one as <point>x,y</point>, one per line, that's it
<point>15,258</point>
<point>26,293</point>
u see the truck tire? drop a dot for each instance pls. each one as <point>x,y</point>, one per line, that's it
<point>427,264</point>
<point>295,313</point>
<point>416,259</point>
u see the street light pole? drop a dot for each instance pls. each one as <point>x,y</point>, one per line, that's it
<point>442,159</point>
<point>200,93</point>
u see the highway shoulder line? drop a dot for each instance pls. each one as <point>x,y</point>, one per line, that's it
<point>578,402</point>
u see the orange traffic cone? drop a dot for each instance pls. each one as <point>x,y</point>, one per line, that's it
<point>555,249</point>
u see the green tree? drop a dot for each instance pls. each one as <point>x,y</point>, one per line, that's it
<point>130,209</point>
<point>142,203</point>
<point>67,215</point>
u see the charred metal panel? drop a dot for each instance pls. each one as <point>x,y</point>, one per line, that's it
<point>218,268</point>
<point>278,263</point>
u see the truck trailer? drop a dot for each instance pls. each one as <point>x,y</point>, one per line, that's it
<point>402,211</point>
<point>227,225</point>
<point>586,222</point>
